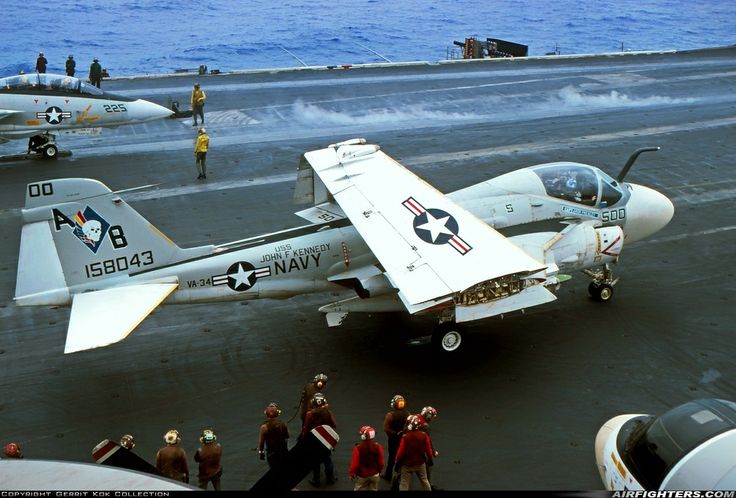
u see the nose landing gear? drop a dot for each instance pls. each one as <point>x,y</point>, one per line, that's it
<point>601,288</point>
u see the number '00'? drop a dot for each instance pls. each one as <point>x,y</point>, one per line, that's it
<point>39,189</point>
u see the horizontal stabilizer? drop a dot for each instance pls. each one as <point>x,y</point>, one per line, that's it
<point>107,316</point>
<point>531,296</point>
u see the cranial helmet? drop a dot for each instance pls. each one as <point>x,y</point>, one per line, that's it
<point>12,450</point>
<point>320,380</point>
<point>127,441</point>
<point>319,399</point>
<point>414,422</point>
<point>272,410</point>
<point>172,437</point>
<point>202,130</point>
<point>208,436</point>
<point>367,432</point>
<point>398,402</point>
<point>428,413</point>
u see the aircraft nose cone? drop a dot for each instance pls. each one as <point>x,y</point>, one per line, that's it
<point>607,431</point>
<point>647,212</point>
<point>142,110</point>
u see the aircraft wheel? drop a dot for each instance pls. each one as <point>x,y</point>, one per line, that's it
<point>605,293</point>
<point>50,152</point>
<point>601,293</point>
<point>447,338</point>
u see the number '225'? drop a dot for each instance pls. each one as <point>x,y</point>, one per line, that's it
<point>115,108</point>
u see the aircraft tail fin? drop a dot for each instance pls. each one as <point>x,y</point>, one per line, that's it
<point>77,233</point>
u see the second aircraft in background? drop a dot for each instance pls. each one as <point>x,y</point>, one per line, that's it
<point>36,105</point>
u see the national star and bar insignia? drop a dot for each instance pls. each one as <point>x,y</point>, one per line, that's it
<point>241,276</point>
<point>54,115</point>
<point>436,226</point>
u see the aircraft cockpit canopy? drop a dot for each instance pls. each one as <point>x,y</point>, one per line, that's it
<point>654,445</point>
<point>579,183</point>
<point>46,83</point>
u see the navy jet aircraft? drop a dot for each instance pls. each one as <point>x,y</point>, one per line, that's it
<point>690,446</point>
<point>376,229</point>
<point>35,105</point>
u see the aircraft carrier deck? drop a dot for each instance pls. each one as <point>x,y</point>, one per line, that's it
<point>520,408</point>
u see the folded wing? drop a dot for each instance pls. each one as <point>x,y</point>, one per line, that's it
<point>429,246</point>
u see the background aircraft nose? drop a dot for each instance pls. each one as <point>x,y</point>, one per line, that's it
<point>142,110</point>
<point>647,212</point>
<point>607,430</point>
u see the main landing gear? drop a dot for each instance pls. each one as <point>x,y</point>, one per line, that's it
<point>43,145</point>
<point>601,288</point>
<point>447,337</point>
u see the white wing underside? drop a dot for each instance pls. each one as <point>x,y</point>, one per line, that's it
<point>385,201</point>
<point>107,316</point>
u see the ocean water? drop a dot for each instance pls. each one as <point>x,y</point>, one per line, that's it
<point>160,36</point>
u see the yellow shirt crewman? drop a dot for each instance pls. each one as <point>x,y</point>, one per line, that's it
<point>197,101</point>
<point>200,153</point>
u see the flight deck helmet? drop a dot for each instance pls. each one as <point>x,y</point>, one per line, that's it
<point>414,422</point>
<point>367,432</point>
<point>320,380</point>
<point>272,410</point>
<point>428,413</point>
<point>12,450</point>
<point>172,437</point>
<point>208,436</point>
<point>127,441</point>
<point>319,399</point>
<point>398,402</point>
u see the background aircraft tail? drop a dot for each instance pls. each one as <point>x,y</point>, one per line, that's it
<point>77,235</point>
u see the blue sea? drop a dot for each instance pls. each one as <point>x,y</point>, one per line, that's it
<point>134,37</point>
